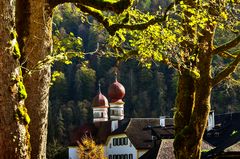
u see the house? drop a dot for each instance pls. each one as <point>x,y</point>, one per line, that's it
<point>126,139</point>
<point>221,140</point>
<point>166,150</point>
<point>148,138</point>
<point>106,117</point>
<point>225,136</point>
<point>132,140</point>
<point>99,132</point>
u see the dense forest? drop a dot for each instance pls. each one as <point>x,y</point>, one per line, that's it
<point>150,92</point>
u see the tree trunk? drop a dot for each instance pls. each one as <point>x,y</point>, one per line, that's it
<point>35,29</point>
<point>34,26</point>
<point>184,107</point>
<point>189,134</point>
<point>14,137</point>
<point>184,100</point>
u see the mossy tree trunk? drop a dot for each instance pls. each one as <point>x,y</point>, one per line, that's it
<point>14,137</point>
<point>192,111</point>
<point>35,33</point>
<point>194,91</point>
<point>193,98</point>
<point>34,26</point>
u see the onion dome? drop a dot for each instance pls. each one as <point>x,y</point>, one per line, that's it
<point>100,100</point>
<point>116,91</point>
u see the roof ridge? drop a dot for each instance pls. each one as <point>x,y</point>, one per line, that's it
<point>125,131</point>
<point>229,142</point>
<point>144,118</point>
<point>228,113</point>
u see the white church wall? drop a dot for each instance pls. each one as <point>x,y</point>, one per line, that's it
<point>120,145</point>
<point>72,153</point>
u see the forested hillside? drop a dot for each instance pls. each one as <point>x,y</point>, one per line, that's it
<point>149,92</point>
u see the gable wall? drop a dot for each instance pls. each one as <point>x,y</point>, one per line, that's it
<point>112,149</point>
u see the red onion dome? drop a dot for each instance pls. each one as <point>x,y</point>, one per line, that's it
<point>100,100</point>
<point>116,92</point>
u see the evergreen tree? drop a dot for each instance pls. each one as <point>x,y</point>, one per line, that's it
<point>85,79</point>
<point>60,128</point>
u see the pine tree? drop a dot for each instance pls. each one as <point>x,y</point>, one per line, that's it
<point>60,131</point>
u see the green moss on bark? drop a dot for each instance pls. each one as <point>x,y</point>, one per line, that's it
<point>22,115</point>
<point>16,51</point>
<point>21,111</point>
<point>21,90</point>
<point>14,43</point>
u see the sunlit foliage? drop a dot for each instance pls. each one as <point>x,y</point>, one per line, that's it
<point>87,148</point>
<point>184,27</point>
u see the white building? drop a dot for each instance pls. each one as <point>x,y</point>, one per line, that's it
<point>126,139</point>
<point>72,152</point>
<point>131,140</point>
<point>119,146</point>
<point>122,138</point>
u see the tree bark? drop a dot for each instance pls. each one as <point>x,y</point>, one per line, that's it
<point>35,30</point>
<point>184,100</point>
<point>189,135</point>
<point>193,108</point>
<point>14,137</point>
<point>34,25</point>
<point>184,107</point>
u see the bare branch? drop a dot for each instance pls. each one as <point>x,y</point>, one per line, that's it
<point>117,6</point>
<point>227,46</point>
<point>93,52</point>
<point>226,72</point>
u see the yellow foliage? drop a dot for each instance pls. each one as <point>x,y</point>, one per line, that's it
<point>88,149</point>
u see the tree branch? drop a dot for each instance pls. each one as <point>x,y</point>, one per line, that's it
<point>95,13</point>
<point>134,54</point>
<point>227,55</point>
<point>112,28</point>
<point>227,46</point>
<point>116,6</point>
<point>226,72</point>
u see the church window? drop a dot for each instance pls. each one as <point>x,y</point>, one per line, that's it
<point>120,141</point>
<point>130,156</point>
<point>125,141</point>
<point>114,142</point>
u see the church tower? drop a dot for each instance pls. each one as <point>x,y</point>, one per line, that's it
<point>100,107</point>
<point>116,92</point>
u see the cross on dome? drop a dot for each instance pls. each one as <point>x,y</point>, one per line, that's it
<point>99,87</point>
<point>100,100</point>
<point>116,91</point>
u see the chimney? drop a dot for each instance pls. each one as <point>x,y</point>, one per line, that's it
<point>114,125</point>
<point>162,121</point>
<point>211,121</point>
